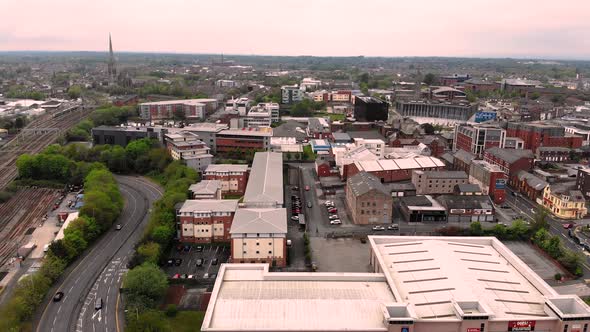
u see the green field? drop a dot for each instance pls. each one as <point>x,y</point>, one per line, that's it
<point>187,321</point>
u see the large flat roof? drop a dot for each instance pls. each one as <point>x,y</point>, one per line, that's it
<point>433,272</point>
<point>249,298</point>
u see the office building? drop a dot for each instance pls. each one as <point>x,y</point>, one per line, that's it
<point>291,94</point>
<point>207,132</point>
<point>490,178</point>
<point>437,182</point>
<point>457,111</point>
<point>187,146</point>
<point>368,200</point>
<point>477,138</point>
<point>240,105</point>
<point>173,109</point>
<point>537,134</point>
<point>416,284</point>
<point>510,161</point>
<point>370,109</point>
<point>206,220</point>
<point>258,117</point>
<point>234,178</point>
<point>254,139</point>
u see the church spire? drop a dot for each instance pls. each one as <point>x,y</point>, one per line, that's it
<point>112,71</point>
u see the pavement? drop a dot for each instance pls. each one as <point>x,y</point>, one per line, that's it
<point>98,273</point>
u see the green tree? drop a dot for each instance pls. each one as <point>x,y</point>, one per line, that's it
<point>552,246</point>
<point>149,252</point>
<point>475,229</point>
<point>519,230</point>
<point>162,234</point>
<point>145,285</point>
<point>149,321</point>
<point>429,79</point>
<point>75,91</point>
<point>540,219</point>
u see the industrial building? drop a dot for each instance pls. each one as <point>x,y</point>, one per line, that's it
<point>460,111</point>
<point>370,109</point>
<point>417,284</point>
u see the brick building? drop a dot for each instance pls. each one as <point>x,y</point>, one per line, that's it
<point>167,110</point>
<point>467,208</point>
<point>583,181</point>
<point>490,178</point>
<point>253,139</point>
<point>368,200</point>
<point>553,153</point>
<point>510,161</point>
<point>394,170</point>
<point>537,134</point>
<point>477,138</point>
<point>206,220</point>
<point>462,160</point>
<point>437,182</point>
<point>564,201</point>
<point>205,189</point>
<point>234,178</point>
<point>529,185</point>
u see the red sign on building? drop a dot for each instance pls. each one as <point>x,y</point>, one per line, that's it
<point>473,329</point>
<point>521,325</point>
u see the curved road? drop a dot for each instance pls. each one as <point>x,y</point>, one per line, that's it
<point>99,272</point>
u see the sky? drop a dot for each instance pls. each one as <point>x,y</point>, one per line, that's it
<point>466,28</point>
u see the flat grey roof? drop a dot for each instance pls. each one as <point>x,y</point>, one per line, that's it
<point>265,184</point>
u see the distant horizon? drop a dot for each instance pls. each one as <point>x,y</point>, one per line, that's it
<point>482,57</point>
<point>526,29</point>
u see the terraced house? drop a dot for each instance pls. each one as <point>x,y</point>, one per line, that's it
<point>564,202</point>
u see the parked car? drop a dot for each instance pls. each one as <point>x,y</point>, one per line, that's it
<point>378,228</point>
<point>176,276</point>
<point>296,211</point>
<point>393,227</point>
<point>289,243</point>
<point>206,276</point>
<point>295,188</point>
<point>200,262</point>
<point>335,222</point>
<point>569,225</point>
<point>329,203</point>
<point>295,218</point>
<point>187,248</point>
<point>191,276</point>
<point>199,248</point>
<point>170,262</point>
<point>58,296</point>
<point>333,216</point>
<point>213,276</point>
<point>214,261</point>
<point>309,205</point>
<point>118,227</point>
<point>306,188</point>
<point>183,276</point>
<point>178,262</point>
<point>332,210</point>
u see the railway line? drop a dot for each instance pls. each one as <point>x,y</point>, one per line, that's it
<point>40,133</point>
<point>25,210</point>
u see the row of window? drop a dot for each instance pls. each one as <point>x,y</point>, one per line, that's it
<point>199,214</point>
<point>368,204</point>
<point>258,252</point>
<point>257,243</point>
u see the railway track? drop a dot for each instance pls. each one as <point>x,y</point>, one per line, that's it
<point>22,212</point>
<point>28,142</point>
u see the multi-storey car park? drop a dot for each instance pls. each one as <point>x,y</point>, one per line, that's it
<point>417,284</point>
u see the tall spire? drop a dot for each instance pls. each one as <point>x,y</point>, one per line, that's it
<point>112,71</point>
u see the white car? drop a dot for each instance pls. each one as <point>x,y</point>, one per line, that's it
<point>393,227</point>
<point>335,222</point>
<point>333,216</point>
<point>378,228</point>
<point>295,218</point>
<point>326,203</point>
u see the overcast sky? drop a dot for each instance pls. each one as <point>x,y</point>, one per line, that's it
<point>517,28</point>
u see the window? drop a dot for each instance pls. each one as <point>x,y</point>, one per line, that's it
<point>257,243</point>
<point>362,211</point>
<point>270,243</point>
<point>270,252</point>
<point>565,327</point>
<point>244,252</point>
<point>257,251</point>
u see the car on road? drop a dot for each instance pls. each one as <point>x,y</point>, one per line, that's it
<point>306,188</point>
<point>98,304</point>
<point>199,248</point>
<point>206,276</point>
<point>333,216</point>
<point>378,228</point>
<point>569,225</point>
<point>118,227</point>
<point>295,218</point>
<point>335,222</point>
<point>329,203</point>
<point>170,262</point>
<point>332,210</point>
<point>178,261</point>
<point>213,276</point>
<point>295,188</point>
<point>309,205</point>
<point>58,296</point>
<point>199,262</point>
<point>214,261</point>
<point>393,227</point>
<point>187,248</point>
<point>505,206</point>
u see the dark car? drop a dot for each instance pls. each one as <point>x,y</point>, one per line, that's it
<point>199,248</point>
<point>187,248</point>
<point>295,188</point>
<point>178,262</point>
<point>200,262</point>
<point>58,296</point>
<point>179,248</point>
<point>214,261</point>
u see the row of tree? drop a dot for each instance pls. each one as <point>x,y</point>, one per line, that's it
<point>102,205</point>
<point>103,116</point>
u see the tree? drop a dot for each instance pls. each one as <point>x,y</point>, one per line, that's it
<point>428,128</point>
<point>540,219</point>
<point>75,91</point>
<point>429,79</point>
<point>145,284</point>
<point>552,246</point>
<point>162,234</point>
<point>149,252</point>
<point>475,228</point>
<point>519,230</point>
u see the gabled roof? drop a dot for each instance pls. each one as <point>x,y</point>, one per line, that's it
<point>254,220</point>
<point>510,155</point>
<point>531,180</point>
<point>265,184</point>
<point>464,156</point>
<point>363,182</point>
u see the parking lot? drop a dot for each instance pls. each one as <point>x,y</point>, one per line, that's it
<point>340,255</point>
<point>196,260</point>
<point>542,266</point>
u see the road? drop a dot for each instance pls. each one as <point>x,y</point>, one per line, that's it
<point>526,208</point>
<point>99,272</point>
